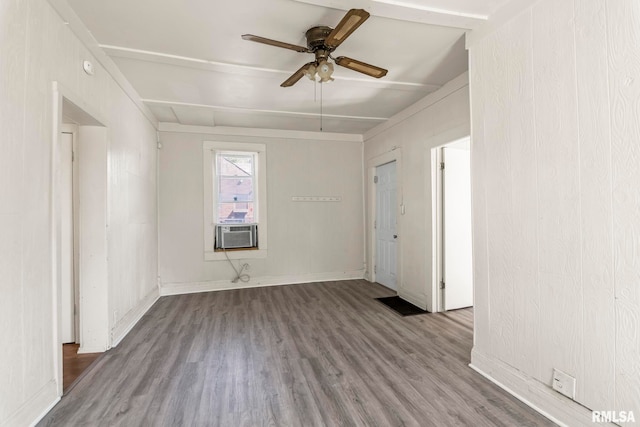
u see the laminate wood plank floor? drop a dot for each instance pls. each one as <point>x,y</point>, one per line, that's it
<point>74,364</point>
<point>322,354</point>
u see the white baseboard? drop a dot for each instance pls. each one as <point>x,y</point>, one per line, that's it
<point>35,408</point>
<point>124,325</point>
<point>85,350</point>
<point>222,285</point>
<point>541,397</point>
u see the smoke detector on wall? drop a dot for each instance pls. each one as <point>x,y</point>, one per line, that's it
<point>87,67</point>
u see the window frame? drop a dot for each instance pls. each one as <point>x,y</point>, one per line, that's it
<point>209,150</point>
<point>254,177</point>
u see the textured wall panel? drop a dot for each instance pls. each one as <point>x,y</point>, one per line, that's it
<point>555,95</point>
<point>595,198</point>
<point>11,316</point>
<point>559,188</point>
<point>623,29</point>
<point>501,227</point>
<point>524,210</point>
<point>482,337</point>
<point>12,78</point>
<point>37,48</point>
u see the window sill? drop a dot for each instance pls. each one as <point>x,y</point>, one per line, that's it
<point>236,254</point>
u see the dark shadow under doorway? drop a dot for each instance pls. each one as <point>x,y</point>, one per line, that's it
<point>400,306</point>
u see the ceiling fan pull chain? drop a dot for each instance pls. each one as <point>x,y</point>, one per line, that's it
<point>320,106</point>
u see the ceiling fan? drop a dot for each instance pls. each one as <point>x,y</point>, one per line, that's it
<point>322,41</point>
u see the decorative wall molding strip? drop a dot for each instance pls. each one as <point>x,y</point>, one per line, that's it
<point>35,407</point>
<point>223,285</point>
<point>124,326</point>
<point>561,410</point>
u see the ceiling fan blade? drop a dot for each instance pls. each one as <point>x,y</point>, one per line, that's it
<point>275,43</point>
<point>361,67</point>
<point>296,76</point>
<point>351,21</point>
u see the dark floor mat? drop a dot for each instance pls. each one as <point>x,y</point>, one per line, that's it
<point>401,306</point>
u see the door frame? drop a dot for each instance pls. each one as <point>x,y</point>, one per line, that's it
<point>437,197</point>
<point>73,130</point>
<point>379,213</point>
<point>395,155</point>
<point>66,103</point>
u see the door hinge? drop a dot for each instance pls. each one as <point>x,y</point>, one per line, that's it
<point>375,179</point>
<point>375,224</point>
<point>375,269</point>
<point>73,156</point>
<point>441,165</point>
<point>442,284</point>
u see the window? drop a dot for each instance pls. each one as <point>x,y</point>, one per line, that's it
<point>234,197</point>
<point>235,192</point>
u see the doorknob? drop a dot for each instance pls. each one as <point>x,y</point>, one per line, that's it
<point>395,236</point>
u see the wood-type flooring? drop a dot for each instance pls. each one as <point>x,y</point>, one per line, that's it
<point>322,354</point>
<point>74,364</point>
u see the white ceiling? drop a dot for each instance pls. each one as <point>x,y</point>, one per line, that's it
<point>190,66</point>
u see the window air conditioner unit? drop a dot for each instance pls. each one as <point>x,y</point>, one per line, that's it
<point>236,236</point>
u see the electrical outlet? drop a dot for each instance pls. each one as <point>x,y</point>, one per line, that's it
<point>564,384</point>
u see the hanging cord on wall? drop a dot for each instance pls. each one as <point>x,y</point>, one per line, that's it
<point>240,276</point>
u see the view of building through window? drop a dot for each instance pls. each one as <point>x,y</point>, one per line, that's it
<point>236,176</point>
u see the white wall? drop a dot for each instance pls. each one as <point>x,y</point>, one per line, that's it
<point>308,241</point>
<point>439,118</point>
<point>556,197</point>
<point>37,48</point>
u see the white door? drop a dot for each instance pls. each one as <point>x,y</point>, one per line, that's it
<point>66,254</point>
<point>386,235</point>
<point>457,271</point>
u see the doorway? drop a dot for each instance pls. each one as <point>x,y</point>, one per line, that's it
<point>385,225</point>
<point>79,234</point>
<point>68,255</point>
<point>454,278</point>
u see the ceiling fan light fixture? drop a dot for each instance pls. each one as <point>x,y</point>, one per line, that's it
<point>322,41</point>
<point>310,72</point>
<point>325,70</point>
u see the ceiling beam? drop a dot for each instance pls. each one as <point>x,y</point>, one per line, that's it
<point>247,70</point>
<point>172,104</point>
<point>262,133</point>
<point>406,11</point>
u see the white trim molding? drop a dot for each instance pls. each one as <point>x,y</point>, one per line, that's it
<point>35,407</point>
<point>126,324</point>
<point>223,285</point>
<point>559,409</point>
